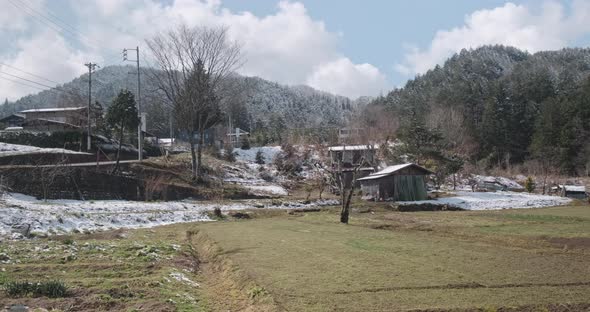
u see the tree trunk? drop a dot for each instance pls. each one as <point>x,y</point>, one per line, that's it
<point>119,149</point>
<point>344,215</point>
<point>193,157</point>
<point>199,155</point>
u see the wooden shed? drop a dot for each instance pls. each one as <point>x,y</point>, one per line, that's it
<point>406,182</point>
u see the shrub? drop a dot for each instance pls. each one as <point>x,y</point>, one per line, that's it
<point>229,156</point>
<point>51,289</point>
<point>217,213</point>
<point>259,159</point>
<point>256,292</point>
<point>529,185</point>
<point>246,144</point>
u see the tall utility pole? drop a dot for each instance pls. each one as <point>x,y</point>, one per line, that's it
<point>91,66</point>
<point>139,128</point>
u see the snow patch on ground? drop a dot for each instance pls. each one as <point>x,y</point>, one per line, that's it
<point>495,200</point>
<point>182,278</point>
<point>268,189</point>
<point>7,149</point>
<point>21,213</point>
<point>249,155</point>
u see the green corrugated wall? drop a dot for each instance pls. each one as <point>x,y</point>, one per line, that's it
<point>409,188</point>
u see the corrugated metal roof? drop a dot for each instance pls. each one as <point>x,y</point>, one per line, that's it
<point>352,147</point>
<point>53,109</point>
<point>390,170</point>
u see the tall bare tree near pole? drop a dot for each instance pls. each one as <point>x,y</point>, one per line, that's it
<point>195,64</point>
<point>91,66</point>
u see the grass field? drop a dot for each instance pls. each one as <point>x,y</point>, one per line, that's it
<point>526,259</point>
<point>388,261</point>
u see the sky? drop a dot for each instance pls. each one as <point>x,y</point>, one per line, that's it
<point>351,48</point>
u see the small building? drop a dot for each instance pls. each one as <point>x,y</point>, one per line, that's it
<point>350,135</point>
<point>13,121</point>
<point>237,137</point>
<point>406,182</point>
<point>350,156</point>
<point>573,191</point>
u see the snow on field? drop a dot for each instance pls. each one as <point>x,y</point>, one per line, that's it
<point>268,189</point>
<point>496,200</point>
<point>7,149</point>
<point>249,155</point>
<point>18,212</point>
<point>246,172</point>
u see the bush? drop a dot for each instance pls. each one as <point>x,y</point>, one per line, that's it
<point>217,213</point>
<point>51,289</point>
<point>529,185</point>
<point>259,159</point>
<point>229,156</point>
<point>246,144</point>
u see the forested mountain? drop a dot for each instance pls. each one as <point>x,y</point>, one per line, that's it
<point>259,104</point>
<point>497,106</point>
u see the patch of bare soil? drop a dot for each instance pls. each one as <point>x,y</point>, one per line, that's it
<point>573,242</point>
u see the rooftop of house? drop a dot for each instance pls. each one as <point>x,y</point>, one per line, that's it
<point>391,170</point>
<point>353,147</point>
<point>52,109</point>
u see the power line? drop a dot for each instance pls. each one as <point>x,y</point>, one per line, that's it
<point>38,83</point>
<point>28,85</point>
<point>26,72</point>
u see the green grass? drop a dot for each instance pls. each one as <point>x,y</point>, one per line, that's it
<point>383,261</point>
<point>421,261</point>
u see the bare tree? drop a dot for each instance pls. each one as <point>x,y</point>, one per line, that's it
<point>195,62</point>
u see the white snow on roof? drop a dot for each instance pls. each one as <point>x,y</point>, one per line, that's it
<point>53,109</point>
<point>352,147</point>
<point>575,188</point>
<point>389,170</point>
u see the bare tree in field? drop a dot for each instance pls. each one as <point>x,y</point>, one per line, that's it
<point>195,63</point>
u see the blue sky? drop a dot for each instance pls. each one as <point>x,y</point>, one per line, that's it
<point>352,48</point>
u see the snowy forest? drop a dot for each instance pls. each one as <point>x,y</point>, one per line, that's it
<point>264,107</point>
<point>497,106</point>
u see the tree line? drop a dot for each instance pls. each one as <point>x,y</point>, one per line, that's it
<point>495,107</point>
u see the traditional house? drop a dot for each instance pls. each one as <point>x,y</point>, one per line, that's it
<point>405,182</point>
<point>13,121</point>
<point>55,119</point>
<point>349,158</point>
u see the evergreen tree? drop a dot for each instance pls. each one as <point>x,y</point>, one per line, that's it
<point>122,116</point>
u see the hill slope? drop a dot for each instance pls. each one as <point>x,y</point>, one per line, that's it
<point>499,105</point>
<point>264,103</point>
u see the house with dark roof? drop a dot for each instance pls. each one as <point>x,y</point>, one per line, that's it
<point>14,120</point>
<point>49,119</point>
<point>405,182</point>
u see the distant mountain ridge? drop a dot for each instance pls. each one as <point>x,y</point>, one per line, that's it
<point>296,106</point>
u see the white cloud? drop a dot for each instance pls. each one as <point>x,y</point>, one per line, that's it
<point>515,25</point>
<point>344,77</point>
<point>288,46</point>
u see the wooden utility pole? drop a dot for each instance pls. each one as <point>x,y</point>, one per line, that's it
<point>140,126</point>
<point>91,66</point>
